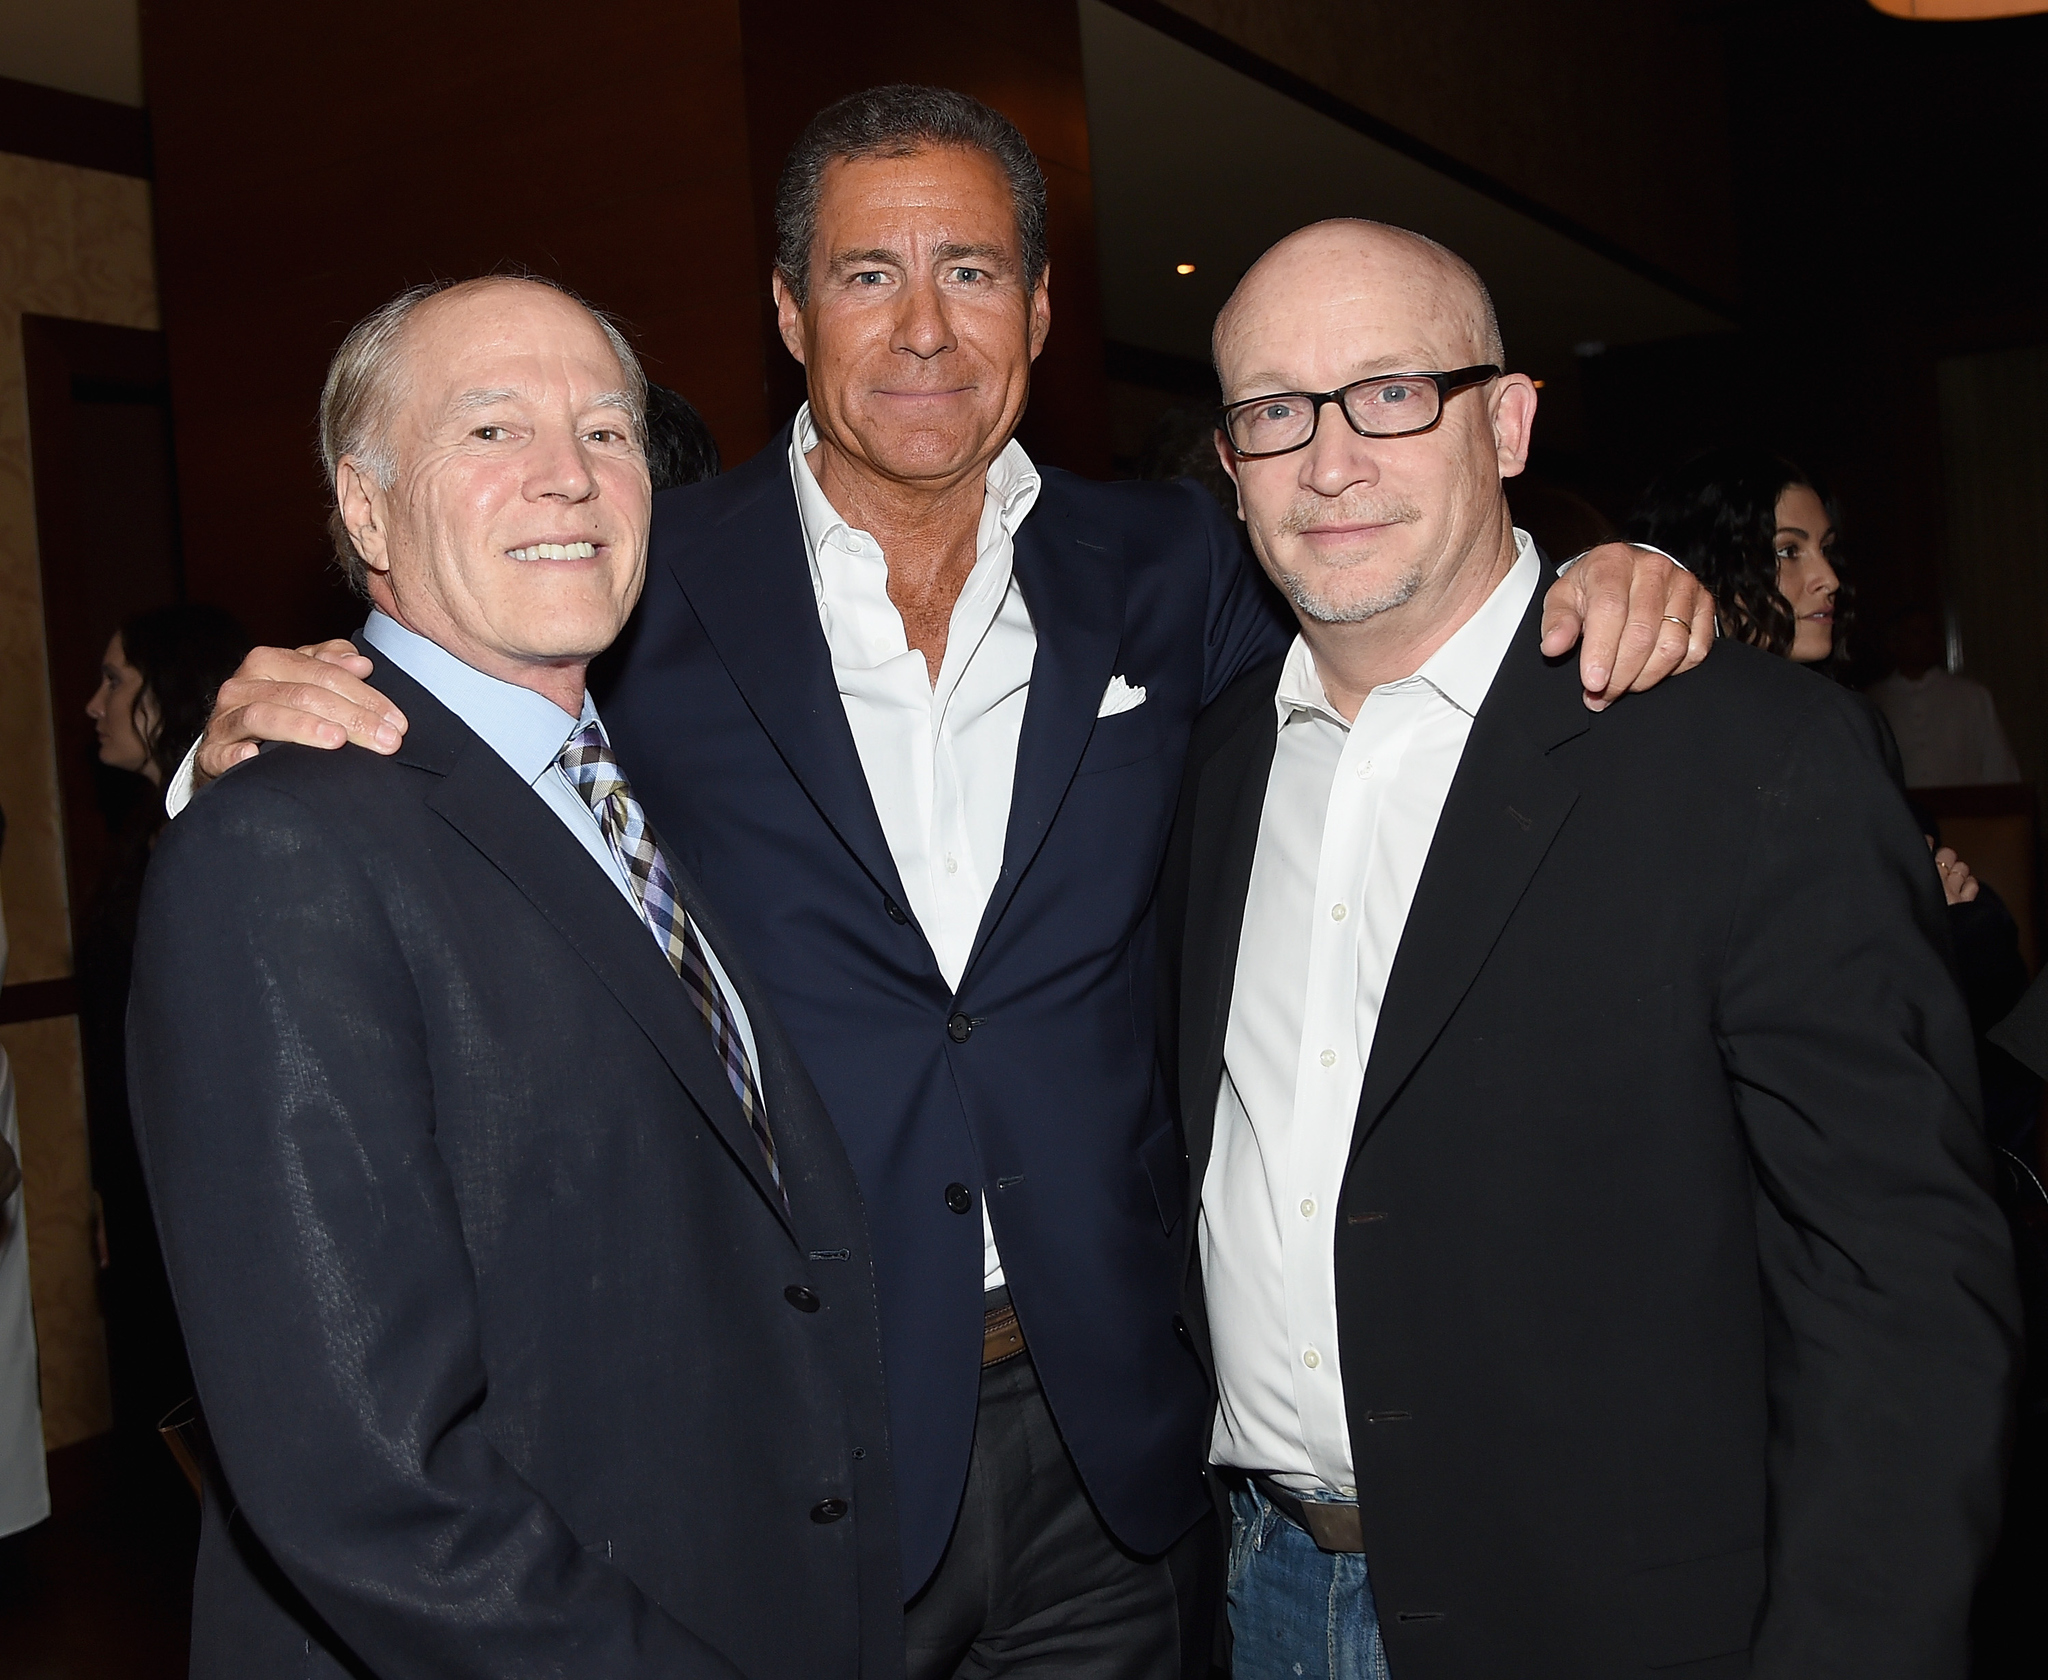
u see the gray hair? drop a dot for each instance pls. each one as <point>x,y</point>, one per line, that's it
<point>893,122</point>
<point>366,380</point>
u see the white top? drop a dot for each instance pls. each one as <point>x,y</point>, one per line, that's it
<point>24,1486</point>
<point>1350,813</point>
<point>1947,729</point>
<point>940,758</point>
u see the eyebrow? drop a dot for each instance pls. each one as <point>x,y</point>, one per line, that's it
<point>1275,384</point>
<point>875,255</point>
<point>470,401</point>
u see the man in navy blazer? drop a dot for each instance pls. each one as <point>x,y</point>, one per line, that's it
<point>912,710</point>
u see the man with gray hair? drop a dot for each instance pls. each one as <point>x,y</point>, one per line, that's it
<point>525,1280</point>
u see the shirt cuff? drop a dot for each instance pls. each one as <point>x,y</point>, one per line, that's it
<point>1651,548</point>
<point>179,794</point>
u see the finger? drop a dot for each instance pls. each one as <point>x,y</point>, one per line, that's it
<point>1968,892</point>
<point>266,666</point>
<point>293,711</point>
<point>339,652</point>
<point>1604,604</point>
<point>1702,615</point>
<point>1561,623</point>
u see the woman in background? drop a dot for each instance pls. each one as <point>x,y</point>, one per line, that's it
<point>157,683</point>
<point>1755,530</point>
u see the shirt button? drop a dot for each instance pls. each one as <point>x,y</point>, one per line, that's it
<point>1338,912</point>
<point>1365,769</point>
<point>1311,1358</point>
<point>952,864</point>
<point>1329,1058</point>
<point>1308,1207</point>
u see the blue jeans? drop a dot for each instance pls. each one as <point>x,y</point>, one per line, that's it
<point>1297,1612</point>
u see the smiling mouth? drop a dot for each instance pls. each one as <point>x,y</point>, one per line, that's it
<point>554,551</point>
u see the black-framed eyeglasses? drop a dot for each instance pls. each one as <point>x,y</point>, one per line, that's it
<point>1388,405</point>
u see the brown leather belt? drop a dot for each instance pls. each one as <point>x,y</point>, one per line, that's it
<point>1334,1528</point>
<point>1002,1337</point>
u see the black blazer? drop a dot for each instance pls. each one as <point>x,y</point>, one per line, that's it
<point>1676,1319</point>
<point>513,1364</point>
<point>1035,1083</point>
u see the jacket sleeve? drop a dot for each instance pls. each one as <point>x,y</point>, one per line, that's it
<point>1891,1305</point>
<point>1246,622</point>
<point>285,1106</point>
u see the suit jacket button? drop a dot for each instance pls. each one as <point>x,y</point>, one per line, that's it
<point>959,1198</point>
<point>958,1028</point>
<point>894,910</point>
<point>800,1298</point>
<point>828,1510</point>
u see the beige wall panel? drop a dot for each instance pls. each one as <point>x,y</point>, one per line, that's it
<point>76,243</point>
<point>50,1094</point>
<point>73,242</point>
<point>1615,116</point>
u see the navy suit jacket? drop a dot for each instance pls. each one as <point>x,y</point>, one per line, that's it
<point>516,1366</point>
<point>1035,1084</point>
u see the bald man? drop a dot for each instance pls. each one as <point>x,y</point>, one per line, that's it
<point>1694,1355</point>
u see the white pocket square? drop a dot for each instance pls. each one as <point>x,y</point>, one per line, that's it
<point>1119,697</point>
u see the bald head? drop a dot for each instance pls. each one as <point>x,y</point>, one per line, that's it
<point>1379,530</point>
<point>1331,268</point>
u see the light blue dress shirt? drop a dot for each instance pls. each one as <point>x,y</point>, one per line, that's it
<point>528,731</point>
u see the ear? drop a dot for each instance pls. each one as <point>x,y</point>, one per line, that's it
<point>1514,421</point>
<point>1228,457</point>
<point>1041,311</point>
<point>362,513</point>
<point>789,316</point>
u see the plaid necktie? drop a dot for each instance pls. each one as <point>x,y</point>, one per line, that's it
<point>588,763</point>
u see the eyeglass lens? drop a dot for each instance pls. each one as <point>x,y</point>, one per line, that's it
<point>1376,407</point>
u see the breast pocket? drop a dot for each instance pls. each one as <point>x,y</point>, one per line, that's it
<point>1126,738</point>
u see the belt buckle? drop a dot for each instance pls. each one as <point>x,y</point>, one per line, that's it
<point>1334,1528</point>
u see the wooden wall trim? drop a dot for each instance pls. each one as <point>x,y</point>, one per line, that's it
<point>59,127</point>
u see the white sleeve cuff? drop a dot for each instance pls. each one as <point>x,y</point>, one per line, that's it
<point>179,794</point>
<point>1650,548</point>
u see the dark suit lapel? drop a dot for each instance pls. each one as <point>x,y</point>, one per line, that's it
<point>1229,799</point>
<point>484,802</point>
<point>1074,591</point>
<point>751,589</point>
<point>1505,806</point>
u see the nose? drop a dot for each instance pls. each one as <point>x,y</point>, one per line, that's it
<point>558,466</point>
<point>922,328</point>
<point>1336,456</point>
<point>1824,580</point>
<point>96,707</point>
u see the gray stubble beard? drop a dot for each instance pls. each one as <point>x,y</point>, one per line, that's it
<point>1325,611</point>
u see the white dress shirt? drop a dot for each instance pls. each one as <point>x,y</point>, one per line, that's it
<point>528,731</point>
<point>1350,813</point>
<point>1947,729</point>
<point>940,758</point>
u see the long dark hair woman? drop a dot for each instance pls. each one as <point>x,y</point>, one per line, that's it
<point>1758,531</point>
<point>157,682</point>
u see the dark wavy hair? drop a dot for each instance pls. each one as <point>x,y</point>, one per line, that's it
<point>897,121</point>
<point>1718,513</point>
<point>184,654</point>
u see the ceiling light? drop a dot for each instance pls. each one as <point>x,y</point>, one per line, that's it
<point>1957,10</point>
<point>1537,383</point>
<point>1183,268</point>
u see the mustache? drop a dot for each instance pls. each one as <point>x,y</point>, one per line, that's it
<point>1308,509</point>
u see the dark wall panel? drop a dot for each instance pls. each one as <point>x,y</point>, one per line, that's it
<point>1021,56</point>
<point>311,163</point>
